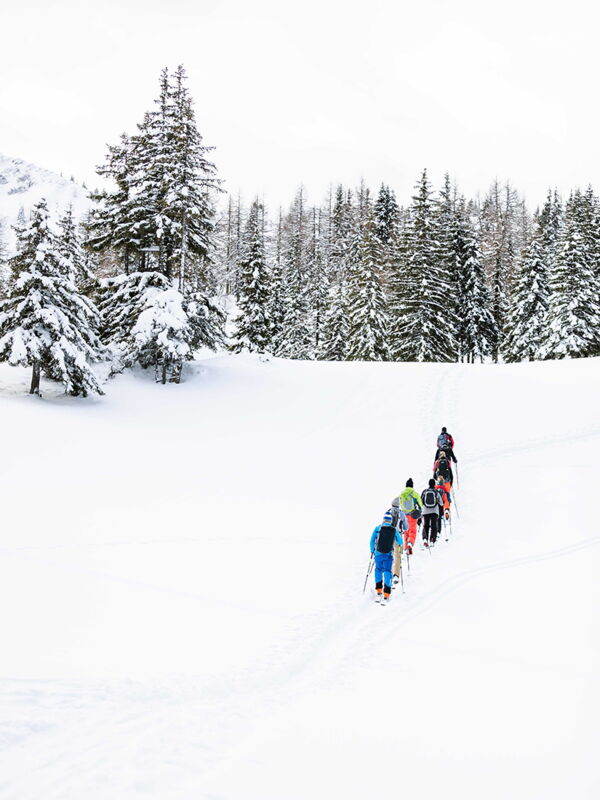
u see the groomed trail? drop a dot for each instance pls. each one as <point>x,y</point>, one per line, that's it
<point>181,574</point>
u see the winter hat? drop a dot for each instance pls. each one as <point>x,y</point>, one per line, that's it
<point>410,483</point>
<point>444,430</point>
<point>396,502</point>
<point>387,518</point>
<point>431,483</point>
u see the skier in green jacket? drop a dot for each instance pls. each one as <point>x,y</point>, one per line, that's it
<point>410,503</point>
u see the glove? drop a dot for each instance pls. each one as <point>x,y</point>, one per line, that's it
<point>419,521</point>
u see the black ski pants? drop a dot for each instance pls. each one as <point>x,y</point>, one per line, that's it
<point>430,527</point>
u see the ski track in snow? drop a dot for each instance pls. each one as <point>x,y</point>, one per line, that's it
<point>188,734</point>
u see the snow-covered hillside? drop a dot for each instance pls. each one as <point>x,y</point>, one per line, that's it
<point>181,574</point>
<point>23,184</point>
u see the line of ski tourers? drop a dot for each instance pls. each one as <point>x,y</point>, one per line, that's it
<point>430,511</point>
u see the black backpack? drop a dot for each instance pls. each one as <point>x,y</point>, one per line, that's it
<point>386,539</point>
<point>443,468</point>
<point>430,498</point>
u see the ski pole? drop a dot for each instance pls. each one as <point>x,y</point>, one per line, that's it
<point>457,476</point>
<point>368,572</point>
<point>401,575</point>
<point>455,503</point>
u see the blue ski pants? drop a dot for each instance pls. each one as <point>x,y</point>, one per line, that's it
<point>383,568</point>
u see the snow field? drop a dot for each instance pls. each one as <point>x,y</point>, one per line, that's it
<point>181,572</point>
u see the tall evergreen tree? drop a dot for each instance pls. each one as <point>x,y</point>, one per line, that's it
<point>387,214</point>
<point>448,249</point>
<point>296,340</point>
<point>334,345</point>
<point>45,323</point>
<point>400,285</point>
<point>527,326</point>
<point>367,310</point>
<point>476,326</point>
<point>254,327</point>
<point>160,214</point>
<point>573,314</point>
<point>549,222</point>
<point>426,327</point>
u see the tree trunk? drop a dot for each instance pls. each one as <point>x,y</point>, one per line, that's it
<point>164,373</point>
<point>35,379</point>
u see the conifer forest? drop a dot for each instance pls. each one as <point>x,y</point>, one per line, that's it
<point>168,262</point>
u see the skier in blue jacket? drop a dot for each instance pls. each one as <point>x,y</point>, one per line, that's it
<point>383,539</point>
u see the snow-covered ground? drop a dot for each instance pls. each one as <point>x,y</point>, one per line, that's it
<point>181,574</point>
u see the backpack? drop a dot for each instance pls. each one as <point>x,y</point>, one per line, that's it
<point>443,468</point>
<point>430,498</point>
<point>443,441</point>
<point>386,539</point>
<point>395,515</point>
<point>407,503</point>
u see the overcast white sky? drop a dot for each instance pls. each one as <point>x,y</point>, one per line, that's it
<point>316,91</point>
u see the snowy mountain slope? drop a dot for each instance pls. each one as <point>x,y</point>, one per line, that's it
<point>182,569</point>
<point>23,184</point>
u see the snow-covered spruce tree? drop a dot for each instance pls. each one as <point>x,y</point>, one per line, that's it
<point>296,340</point>
<point>448,241</point>
<point>398,287</point>
<point>45,323</point>
<point>143,321</point>
<point>476,328</point>
<point>425,330</point>
<point>168,331</point>
<point>190,183</point>
<point>527,325</point>
<point>590,228</point>
<point>334,344</point>
<point>387,213</point>
<point>121,301</point>
<point>367,309</point>
<point>71,249</point>
<point>163,195</point>
<point>574,318</point>
<point>253,324</point>
<point>549,222</point>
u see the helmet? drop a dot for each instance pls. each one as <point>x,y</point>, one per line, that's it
<point>387,518</point>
